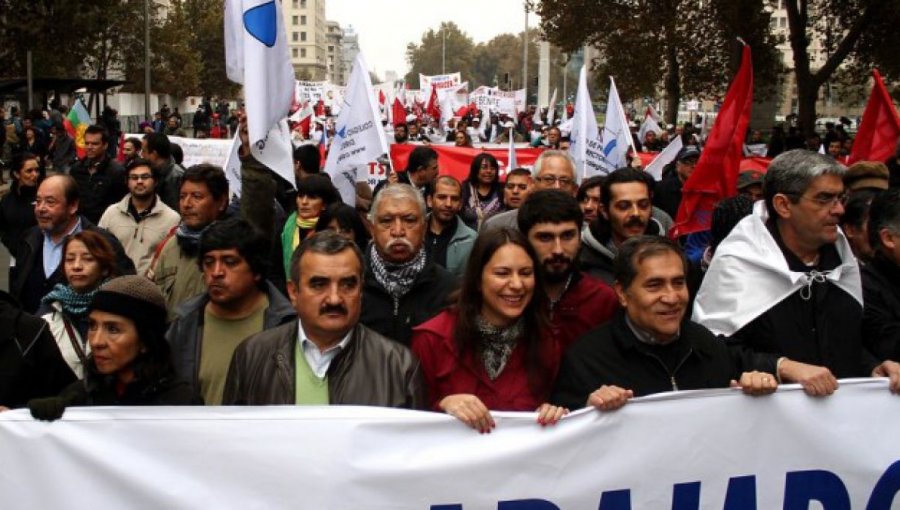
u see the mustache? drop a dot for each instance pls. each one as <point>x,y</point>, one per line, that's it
<point>329,309</point>
<point>562,259</point>
<point>635,221</point>
<point>400,240</point>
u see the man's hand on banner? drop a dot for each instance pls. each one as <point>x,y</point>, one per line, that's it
<point>816,381</point>
<point>756,383</point>
<point>890,369</point>
<point>470,410</point>
<point>609,398</point>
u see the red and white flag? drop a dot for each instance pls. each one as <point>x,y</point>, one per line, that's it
<point>879,130</point>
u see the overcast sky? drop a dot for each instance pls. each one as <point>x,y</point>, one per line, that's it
<point>385,27</point>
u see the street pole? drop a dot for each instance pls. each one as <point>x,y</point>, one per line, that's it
<point>147,60</point>
<point>30,78</point>
<point>443,50</point>
<point>525,57</point>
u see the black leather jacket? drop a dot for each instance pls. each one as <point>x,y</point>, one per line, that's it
<point>371,370</point>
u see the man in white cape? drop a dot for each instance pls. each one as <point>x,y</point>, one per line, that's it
<point>785,284</point>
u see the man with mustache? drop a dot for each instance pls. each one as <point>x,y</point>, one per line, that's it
<point>326,356</point>
<point>448,240</point>
<point>626,212</point>
<point>785,284</point>
<point>403,287</point>
<point>238,302</point>
<point>551,220</point>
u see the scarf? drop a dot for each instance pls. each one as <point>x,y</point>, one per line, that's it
<point>484,210</point>
<point>498,344</point>
<point>397,279</point>
<point>189,239</point>
<point>74,304</point>
<point>302,225</point>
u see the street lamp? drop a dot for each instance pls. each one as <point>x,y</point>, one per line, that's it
<point>443,49</point>
<point>525,51</point>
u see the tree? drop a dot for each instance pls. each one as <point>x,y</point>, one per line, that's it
<point>858,33</point>
<point>208,42</point>
<point>687,45</point>
<point>447,45</point>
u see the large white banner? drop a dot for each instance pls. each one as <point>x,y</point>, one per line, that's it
<point>510,102</point>
<point>713,449</point>
<point>440,81</point>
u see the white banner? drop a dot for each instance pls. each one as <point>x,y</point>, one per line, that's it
<point>510,102</point>
<point>714,449</point>
<point>440,81</point>
<point>311,91</point>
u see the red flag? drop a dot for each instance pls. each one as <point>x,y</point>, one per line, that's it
<point>381,98</point>
<point>320,108</point>
<point>433,107</point>
<point>399,112</point>
<point>716,173</point>
<point>463,111</point>
<point>880,127</point>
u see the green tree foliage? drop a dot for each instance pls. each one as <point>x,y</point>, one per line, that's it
<point>688,47</point>
<point>447,44</point>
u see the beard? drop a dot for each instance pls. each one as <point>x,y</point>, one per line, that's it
<point>554,273</point>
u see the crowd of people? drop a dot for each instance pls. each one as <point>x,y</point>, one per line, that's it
<point>148,284</point>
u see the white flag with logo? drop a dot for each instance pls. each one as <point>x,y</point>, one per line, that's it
<point>585,146</point>
<point>655,168</point>
<point>359,136</point>
<point>615,137</point>
<point>256,56</point>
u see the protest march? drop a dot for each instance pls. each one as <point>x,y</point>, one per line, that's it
<point>438,296</point>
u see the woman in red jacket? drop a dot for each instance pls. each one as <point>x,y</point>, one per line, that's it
<point>489,351</point>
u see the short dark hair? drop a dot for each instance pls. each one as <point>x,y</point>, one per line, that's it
<point>325,242</point>
<point>133,140</point>
<point>726,215</point>
<point>633,252</point>
<point>159,143</point>
<point>622,176</point>
<point>884,213</point>
<point>139,162</point>
<point>445,179</point>
<point>347,218</point>
<point>856,210</point>
<point>318,186</point>
<point>309,158</point>
<point>589,183</point>
<point>240,235</point>
<point>177,153</point>
<point>419,158</point>
<point>96,129</point>
<point>549,206</point>
<point>515,172</point>
<point>211,175</point>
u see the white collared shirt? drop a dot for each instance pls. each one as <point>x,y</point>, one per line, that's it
<point>52,251</point>
<point>319,360</point>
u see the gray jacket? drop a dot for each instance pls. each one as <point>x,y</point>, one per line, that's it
<point>459,247</point>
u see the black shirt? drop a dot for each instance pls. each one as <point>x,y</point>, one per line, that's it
<point>436,244</point>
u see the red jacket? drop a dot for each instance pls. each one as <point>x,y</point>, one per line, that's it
<point>447,374</point>
<point>588,303</point>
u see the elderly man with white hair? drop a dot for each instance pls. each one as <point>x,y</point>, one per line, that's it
<point>402,288</point>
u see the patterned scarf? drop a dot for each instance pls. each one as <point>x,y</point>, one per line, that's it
<point>397,279</point>
<point>74,304</point>
<point>189,239</point>
<point>498,344</point>
<point>484,210</point>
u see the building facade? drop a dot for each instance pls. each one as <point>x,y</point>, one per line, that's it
<point>334,62</point>
<point>304,22</point>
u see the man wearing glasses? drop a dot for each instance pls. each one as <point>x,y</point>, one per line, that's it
<point>553,169</point>
<point>785,285</point>
<point>140,220</point>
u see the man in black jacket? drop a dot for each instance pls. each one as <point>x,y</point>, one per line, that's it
<point>650,348</point>
<point>403,287</point>
<point>38,261</point>
<point>785,283</point>
<point>881,278</point>
<point>326,356</point>
<point>100,179</point>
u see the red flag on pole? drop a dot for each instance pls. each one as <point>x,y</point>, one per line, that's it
<point>399,112</point>
<point>433,107</point>
<point>716,173</point>
<point>879,130</point>
<point>381,97</point>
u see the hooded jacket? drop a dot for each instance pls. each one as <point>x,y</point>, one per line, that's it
<point>598,249</point>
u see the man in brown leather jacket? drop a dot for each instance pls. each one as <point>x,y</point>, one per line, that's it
<point>327,356</point>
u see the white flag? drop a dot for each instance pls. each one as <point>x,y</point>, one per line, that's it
<point>551,111</point>
<point>655,168</point>
<point>616,137</point>
<point>359,136</point>
<point>233,167</point>
<point>256,56</point>
<point>584,146</point>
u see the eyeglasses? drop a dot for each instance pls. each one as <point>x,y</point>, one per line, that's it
<point>140,177</point>
<point>552,179</point>
<point>827,199</point>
